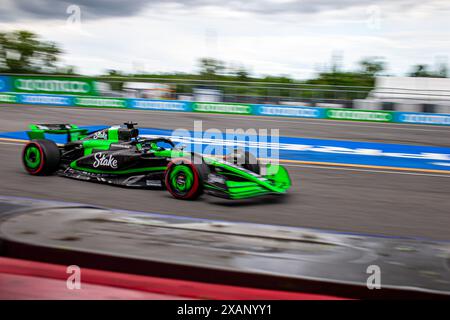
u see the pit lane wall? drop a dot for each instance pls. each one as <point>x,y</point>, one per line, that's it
<point>222,108</point>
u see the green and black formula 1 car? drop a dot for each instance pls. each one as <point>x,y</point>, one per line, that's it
<point>119,156</point>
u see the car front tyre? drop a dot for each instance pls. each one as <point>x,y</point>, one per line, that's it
<point>183,179</point>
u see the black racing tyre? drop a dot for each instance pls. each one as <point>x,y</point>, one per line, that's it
<point>184,178</point>
<point>244,159</point>
<point>41,157</point>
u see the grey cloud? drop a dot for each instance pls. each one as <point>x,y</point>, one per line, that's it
<point>273,7</point>
<point>57,9</point>
<point>94,9</point>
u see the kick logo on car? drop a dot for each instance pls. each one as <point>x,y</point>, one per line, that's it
<point>100,135</point>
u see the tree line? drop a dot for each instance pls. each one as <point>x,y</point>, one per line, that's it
<point>26,52</point>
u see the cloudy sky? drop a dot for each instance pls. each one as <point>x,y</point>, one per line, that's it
<point>295,37</point>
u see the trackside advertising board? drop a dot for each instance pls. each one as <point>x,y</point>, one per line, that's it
<point>218,107</point>
<point>227,108</point>
<point>5,84</point>
<point>53,85</point>
<point>288,111</point>
<point>100,102</point>
<point>45,99</point>
<point>423,118</point>
<point>164,105</point>
<point>359,115</point>
<point>8,98</point>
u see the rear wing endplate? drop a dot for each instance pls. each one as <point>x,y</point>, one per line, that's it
<point>38,131</point>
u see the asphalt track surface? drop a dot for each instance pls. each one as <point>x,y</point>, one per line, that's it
<point>362,201</point>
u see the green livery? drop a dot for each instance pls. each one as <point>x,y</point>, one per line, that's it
<point>119,156</point>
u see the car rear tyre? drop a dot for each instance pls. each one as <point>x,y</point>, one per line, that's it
<point>184,179</point>
<point>41,157</point>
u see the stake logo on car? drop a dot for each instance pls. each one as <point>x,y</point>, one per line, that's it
<point>101,160</point>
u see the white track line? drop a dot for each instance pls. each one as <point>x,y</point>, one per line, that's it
<point>366,170</point>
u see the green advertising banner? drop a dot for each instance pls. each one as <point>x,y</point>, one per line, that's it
<point>8,98</point>
<point>217,107</point>
<point>54,85</point>
<point>359,115</point>
<point>100,102</point>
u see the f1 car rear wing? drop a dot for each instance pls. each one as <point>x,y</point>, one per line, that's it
<point>38,131</point>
